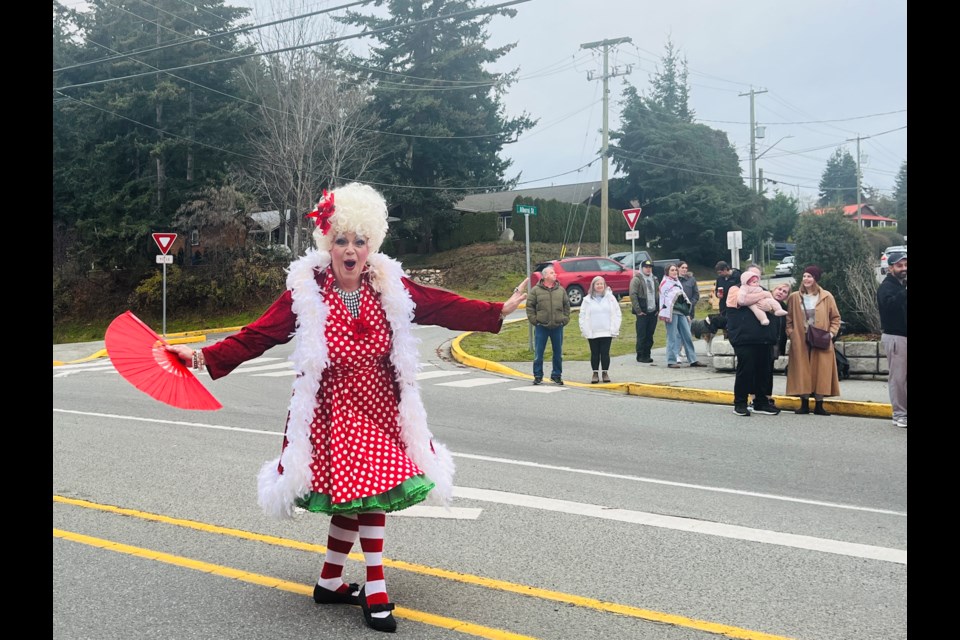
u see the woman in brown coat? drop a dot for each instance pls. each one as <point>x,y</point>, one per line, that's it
<point>812,371</point>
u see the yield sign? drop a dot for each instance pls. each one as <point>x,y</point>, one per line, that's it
<point>631,216</point>
<point>164,241</point>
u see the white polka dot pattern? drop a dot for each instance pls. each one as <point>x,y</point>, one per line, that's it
<point>358,451</point>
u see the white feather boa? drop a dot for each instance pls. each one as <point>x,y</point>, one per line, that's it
<point>277,493</point>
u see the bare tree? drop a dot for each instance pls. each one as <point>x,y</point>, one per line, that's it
<point>315,129</point>
<point>862,289</point>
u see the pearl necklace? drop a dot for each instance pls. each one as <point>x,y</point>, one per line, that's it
<point>351,299</point>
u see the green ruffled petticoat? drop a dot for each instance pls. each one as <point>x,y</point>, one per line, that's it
<point>406,494</point>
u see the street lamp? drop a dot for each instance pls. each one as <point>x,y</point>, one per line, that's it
<point>759,186</point>
<point>772,146</point>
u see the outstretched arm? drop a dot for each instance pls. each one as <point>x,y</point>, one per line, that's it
<point>452,311</point>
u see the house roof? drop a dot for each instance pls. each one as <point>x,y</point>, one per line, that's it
<point>268,220</point>
<point>502,201</point>
<point>867,212</point>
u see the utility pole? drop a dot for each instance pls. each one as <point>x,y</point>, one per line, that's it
<point>753,156</point>
<point>753,138</point>
<point>604,189</point>
<point>859,212</point>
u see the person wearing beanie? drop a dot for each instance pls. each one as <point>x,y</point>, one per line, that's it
<point>356,442</point>
<point>812,371</point>
<point>892,304</point>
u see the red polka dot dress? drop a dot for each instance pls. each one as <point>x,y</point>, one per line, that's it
<point>359,460</point>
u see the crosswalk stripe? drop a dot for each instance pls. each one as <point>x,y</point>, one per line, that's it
<point>539,389</point>
<point>472,382</point>
<point>265,367</point>
<point>426,375</point>
<point>275,374</point>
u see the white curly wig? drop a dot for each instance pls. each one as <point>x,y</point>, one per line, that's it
<point>358,208</point>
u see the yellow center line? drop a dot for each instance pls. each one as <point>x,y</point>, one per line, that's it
<point>284,585</point>
<point>500,585</point>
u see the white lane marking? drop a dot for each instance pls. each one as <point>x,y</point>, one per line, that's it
<point>524,463</point>
<point>86,365</point>
<point>552,388</point>
<point>735,532</point>
<point>472,382</point>
<point>64,374</point>
<point>450,513</point>
<point>276,374</point>
<point>265,367</point>
<point>426,375</point>
<point>685,485</point>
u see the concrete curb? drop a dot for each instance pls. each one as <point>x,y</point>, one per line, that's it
<point>670,392</point>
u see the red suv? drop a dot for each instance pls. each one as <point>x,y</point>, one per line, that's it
<point>576,274</point>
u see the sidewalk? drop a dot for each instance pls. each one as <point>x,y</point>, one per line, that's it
<point>862,396</point>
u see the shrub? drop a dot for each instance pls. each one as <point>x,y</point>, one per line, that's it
<point>842,252</point>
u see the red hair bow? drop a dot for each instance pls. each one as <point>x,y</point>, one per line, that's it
<point>323,212</point>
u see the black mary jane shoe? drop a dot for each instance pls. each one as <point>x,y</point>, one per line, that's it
<point>388,624</point>
<point>322,595</point>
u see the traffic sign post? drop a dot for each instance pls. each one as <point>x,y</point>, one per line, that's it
<point>631,216</point>
<point>164,242</point>
<point>527,210</point>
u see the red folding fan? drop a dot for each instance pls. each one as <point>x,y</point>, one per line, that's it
<point>138,353</point>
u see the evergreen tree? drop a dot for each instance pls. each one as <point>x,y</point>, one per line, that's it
<point>686,176</point>
<point>670,91</point>
<point>900,196</point>
<point>783,210</point>
<point>440,107</point>
<point>132,144</point>
<point>838,184</point>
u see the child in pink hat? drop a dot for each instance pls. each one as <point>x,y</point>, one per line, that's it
<point>760,301</point>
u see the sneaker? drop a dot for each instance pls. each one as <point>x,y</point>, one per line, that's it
<point>766,409</point>
<point>537,380</point>
<point>697,364</point>
<point>674,366</point>
<point>681,358</point>
<point>639,358</point>
<point>557,381</point>
<point>900,422</point>
<point>646,360</point>
<point>741,410</point>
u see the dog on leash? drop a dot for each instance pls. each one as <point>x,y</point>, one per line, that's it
<point>706,328</point>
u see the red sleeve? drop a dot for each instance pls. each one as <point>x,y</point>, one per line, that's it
<point>452,311</point>
<point>275,326</point>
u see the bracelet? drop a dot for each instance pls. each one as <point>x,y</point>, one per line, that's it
<point>198,360</point>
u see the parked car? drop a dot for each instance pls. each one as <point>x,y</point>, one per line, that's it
<point>576,274</point>
<point>785,267</point>
<point>887,252</point>
<point>783,249</point>
<point>635,258</point>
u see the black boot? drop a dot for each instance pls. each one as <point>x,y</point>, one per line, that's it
<point>819,410</point>
<point>804,406</point>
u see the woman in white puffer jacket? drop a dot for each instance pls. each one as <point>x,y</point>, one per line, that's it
<point>600,319</point>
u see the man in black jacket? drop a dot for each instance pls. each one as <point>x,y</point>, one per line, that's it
<point>892,303</point>
<point>752,343</point>
<point>645,302</point>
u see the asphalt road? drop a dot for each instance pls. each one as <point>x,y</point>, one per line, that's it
<point>579,514</point>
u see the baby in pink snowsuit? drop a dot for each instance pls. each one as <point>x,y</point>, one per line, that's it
<point>758,299</point>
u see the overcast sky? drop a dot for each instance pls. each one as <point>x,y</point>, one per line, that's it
<point>830,70</point>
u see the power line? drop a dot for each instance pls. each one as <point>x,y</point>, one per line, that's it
<point>361,34</point>
<point>218,34</point>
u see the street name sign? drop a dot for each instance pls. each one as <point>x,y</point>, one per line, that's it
<point>526,209</point>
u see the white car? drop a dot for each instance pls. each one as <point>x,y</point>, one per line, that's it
<point>887,252</point>
<point>785,267</point>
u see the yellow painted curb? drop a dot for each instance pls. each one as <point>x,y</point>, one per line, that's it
<point>668,392</point>
<point>102,353</point>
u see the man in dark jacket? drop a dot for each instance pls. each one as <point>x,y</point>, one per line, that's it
<point>645,303</point>
<point>752,343</point>
<point>726,278</point>
<point>892,303</point>
<point>548,310</point>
